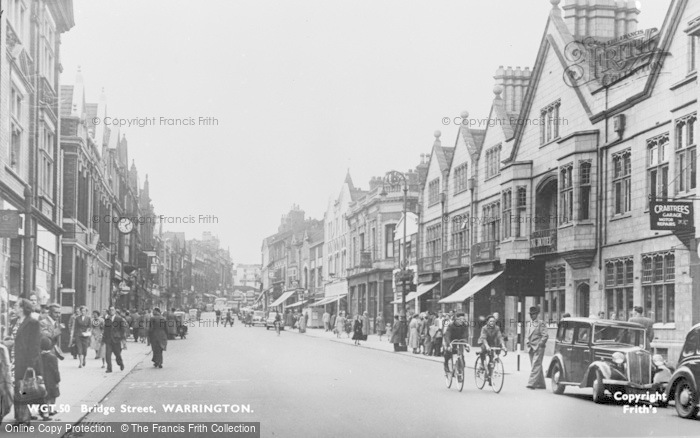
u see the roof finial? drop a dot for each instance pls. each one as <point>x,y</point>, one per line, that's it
<point>555,3</point>
<point>497,90</point>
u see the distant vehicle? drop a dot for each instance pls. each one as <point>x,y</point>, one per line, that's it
<point>270,321</point>
<point>220,304</point>
<point>258,317</point>
<point>684,386</point>
<point>209,307</point>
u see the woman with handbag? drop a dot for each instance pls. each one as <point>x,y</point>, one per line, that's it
<point>82,333</point>
<point>28,366</point>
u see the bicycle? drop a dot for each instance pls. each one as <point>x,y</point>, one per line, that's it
<point>496,376</point>
<point>457,369</point>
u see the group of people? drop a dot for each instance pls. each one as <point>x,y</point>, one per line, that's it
<point>34,343</point>
<point>358,327</point>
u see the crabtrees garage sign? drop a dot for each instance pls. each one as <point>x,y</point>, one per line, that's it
<point>669,215</point>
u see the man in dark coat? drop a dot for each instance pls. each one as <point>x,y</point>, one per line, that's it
<point>157,337</point>
<point>27,355</point>
<point>648,324</point>
<point>112,337</point>
<point>171,323</point>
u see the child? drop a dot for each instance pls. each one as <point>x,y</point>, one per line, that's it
<point>51,377</point>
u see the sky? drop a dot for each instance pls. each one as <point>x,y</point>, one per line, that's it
<point>277,100</point>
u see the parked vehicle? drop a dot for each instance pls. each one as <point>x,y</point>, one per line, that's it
<point>258,317</point>
<point>684,386</point>
<point>606,356</point>
<point>270,321</point>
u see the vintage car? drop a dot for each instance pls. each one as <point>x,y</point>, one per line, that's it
<point>603,355</point>
<point>683,387</point>
<point>270,321</point>
<point>258,317</point>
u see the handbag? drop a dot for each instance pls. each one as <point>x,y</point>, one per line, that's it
<point>31,387</point>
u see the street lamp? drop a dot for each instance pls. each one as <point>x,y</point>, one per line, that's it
<point>394,179</point>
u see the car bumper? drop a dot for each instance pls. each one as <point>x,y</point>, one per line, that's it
<point>626,384</point>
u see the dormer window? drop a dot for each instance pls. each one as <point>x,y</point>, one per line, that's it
<point>493,161</point>
<point>434,191</point>
<point>549,122</point>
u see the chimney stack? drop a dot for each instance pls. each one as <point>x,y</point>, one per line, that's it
<point>601,20</point>
<point>513,85</point>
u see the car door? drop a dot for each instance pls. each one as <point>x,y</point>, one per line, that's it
<point>581,356</point>
<point>565,337</point>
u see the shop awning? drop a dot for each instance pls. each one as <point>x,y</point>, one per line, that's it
<point>299,303</point>
<point>421,289</point>
<point>474,285</point>
<point>328,300</point>
<point>284,297</point>
<point>209,295</point>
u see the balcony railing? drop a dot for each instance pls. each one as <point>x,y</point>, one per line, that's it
<point>543,242</point>
<point>485,251</point>
<point>457,258</point>
<point>430,264</point>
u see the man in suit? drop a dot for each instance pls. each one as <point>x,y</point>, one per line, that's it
<point>647,323</point>
<point>51,328</point>
<point>536,343</point>
<point>27,345</point>
<point>157,337</point>
<point>112,337</point>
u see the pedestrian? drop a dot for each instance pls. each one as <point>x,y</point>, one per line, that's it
<point>326,321</point>
<point>135,320</point>
<point>52,377</point>
<point>218,318</point>
<point>339,325</point>
<point>229,318</point>
<point>51,327</point>
<point>112,338</point>
<point>365,325</point>
<point>27,347</point>
<point>82,333</point>
<point>71,334</point>
<point>395,334</point>
<point>302,322</point>
<point>98,326</point>
<point>424,335</point>
<point>5,379</point>
<point>357,330</point>
<point>437,338</point>
<point>144,317</point>
<point>348,325</point>
<point>645,322</point>
<point>536,343</point>
<point>379,325</point>
<point>128,319</point>
<point>157,337</point>
<point>171,323</point>
<point>414,334</point>
<point>332,324</point>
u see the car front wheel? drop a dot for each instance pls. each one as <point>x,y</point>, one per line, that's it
<point>686,399</point>
<point>598,388</point>
<point>557,374</point>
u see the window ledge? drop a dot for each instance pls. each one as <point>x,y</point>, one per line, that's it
<point>585,222</point>
<point>566,225</point>
<point>459,192</point>
<point>14,173</point>
<point>666,326</point>
<point>688,79</point>
<point>488,178</point>
<point>685,194</point>
<point>554,140</point>
<point>621,216</point>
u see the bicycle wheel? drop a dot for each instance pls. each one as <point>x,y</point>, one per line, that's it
<point>449,374</point>
<point>497,376</point>
<point>479,373</point>
<point>460,373</point>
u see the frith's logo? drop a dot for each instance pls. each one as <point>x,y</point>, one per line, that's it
<point>606,62</point>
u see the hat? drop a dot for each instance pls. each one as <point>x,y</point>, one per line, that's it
<point>534,310</point>
<point>638,309</point>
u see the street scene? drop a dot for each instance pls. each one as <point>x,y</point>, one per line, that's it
<point>326,218</point>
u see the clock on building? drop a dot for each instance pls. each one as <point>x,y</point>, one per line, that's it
<point>125,225</point>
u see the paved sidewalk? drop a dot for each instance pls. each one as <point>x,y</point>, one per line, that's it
<point>510,362</point>
<point>88,385</point>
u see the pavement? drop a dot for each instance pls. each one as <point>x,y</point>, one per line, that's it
<point>87,386</point>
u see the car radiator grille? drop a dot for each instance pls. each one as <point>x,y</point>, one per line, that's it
<point>639,366</point>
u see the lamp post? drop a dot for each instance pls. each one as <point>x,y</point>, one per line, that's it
<point>393,179</point>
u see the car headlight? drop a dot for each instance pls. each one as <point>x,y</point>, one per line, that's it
<point>658,360</point>
<point>618,358</point>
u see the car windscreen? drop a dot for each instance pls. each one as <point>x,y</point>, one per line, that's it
<point>623,335</point>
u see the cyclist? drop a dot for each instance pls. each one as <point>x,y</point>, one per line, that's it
<point>490,337</point>
<point>278,321</point>
<point>457,330</point>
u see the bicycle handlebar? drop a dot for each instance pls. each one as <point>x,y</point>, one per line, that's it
<point>459,342</point>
